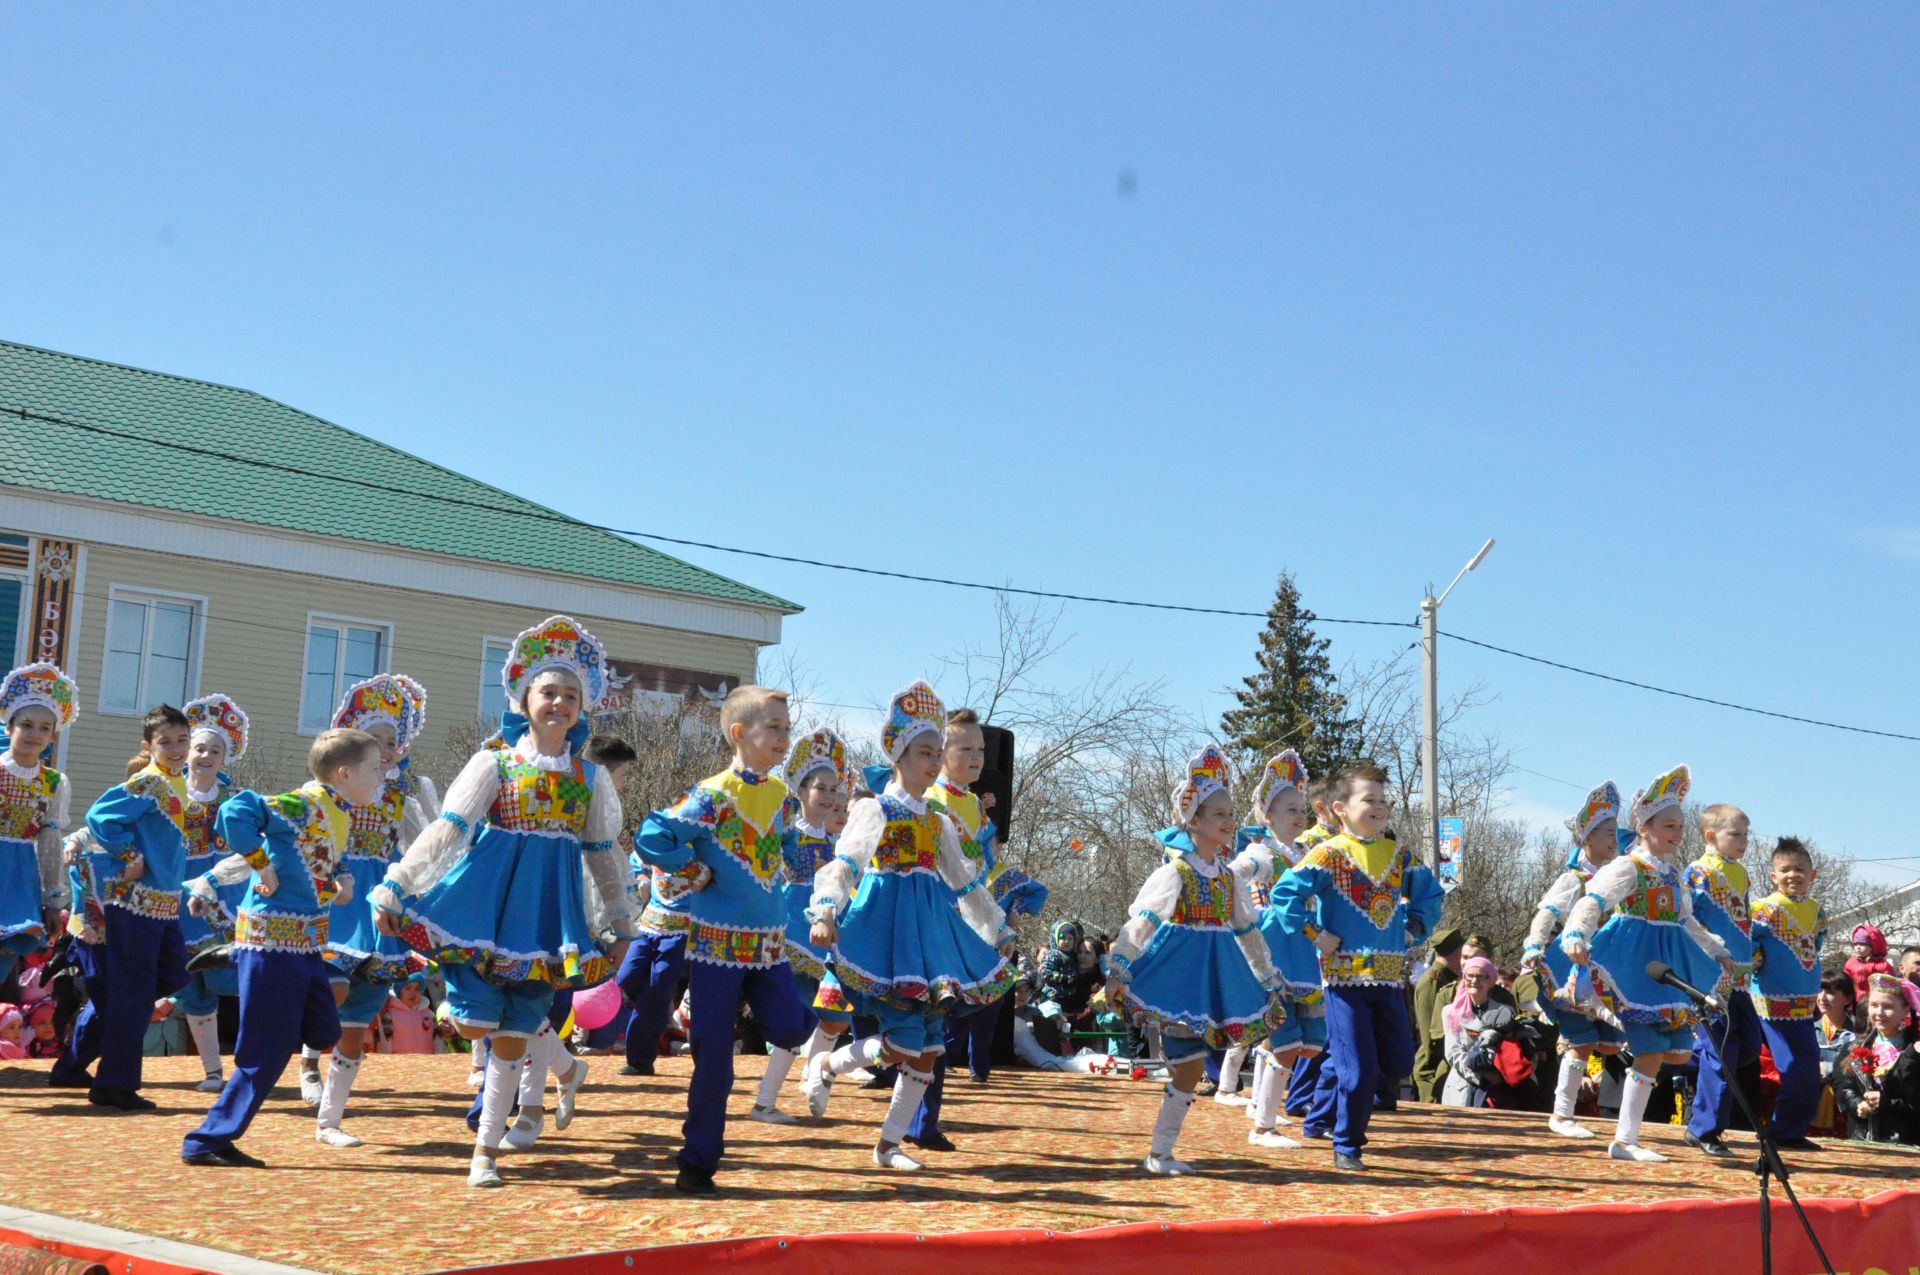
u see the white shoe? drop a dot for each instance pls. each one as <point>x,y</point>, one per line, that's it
<point>817,1085</point>
<point>859,1075</point>
<point>476,1078</point>
<point>482,1171</point>
<point>212,1084</point>
<point>1567,1127</point>
<point>1634,1151</point>
<point>771,1115</point>
<point>1268,1138</point>
<point>335,1137</point>
<point>526,1131</point>
<point>311,1087</point>
<point>569,1094</point>
<point>1165,1166</point>
<point>1230,1100</point>
<point>895,1158</point>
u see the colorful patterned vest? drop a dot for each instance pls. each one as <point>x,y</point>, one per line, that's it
<point>743,817</point>
<point>1205,902</point>
<point>1655,891</point>
<point>321,823</point>
<point>541,801</point>
<point>374,831</point>
<point>26,804</point>
<point>910,843</point>
<point>969,819</point>
<point>809,853</point>
<point>1795,926</point>
<point>197,823</point>
<point>1715,877</point>
<point>1376,901</point>
<point>169,794</point>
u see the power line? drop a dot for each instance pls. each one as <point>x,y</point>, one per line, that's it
<point>546,515</point>
<point>1698,699</point>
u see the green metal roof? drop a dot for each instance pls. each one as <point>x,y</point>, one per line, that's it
<point>123,444</point>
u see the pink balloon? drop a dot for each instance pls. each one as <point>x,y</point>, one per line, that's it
<point>596,1006</point>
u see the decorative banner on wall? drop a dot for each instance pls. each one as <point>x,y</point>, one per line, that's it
<point>656,688</point>
<point>52,616</point>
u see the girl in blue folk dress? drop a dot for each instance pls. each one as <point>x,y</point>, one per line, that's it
<point>218,738</point>
<point>820,780</point>
<point>1190,958</point>
<point>37,702</point>
<point>516,889</point>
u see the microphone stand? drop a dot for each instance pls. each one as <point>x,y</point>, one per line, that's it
<point>1770,1166</point>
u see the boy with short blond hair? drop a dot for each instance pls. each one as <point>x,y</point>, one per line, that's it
<point>292,844</point>
<point>1789,930</point>
<point>730,826</point>
<point>1724,1043</point>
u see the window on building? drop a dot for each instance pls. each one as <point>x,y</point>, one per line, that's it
<point>153,650</point>
<point>493,696</point>
<point>340,652</point>
<point>15,598</point>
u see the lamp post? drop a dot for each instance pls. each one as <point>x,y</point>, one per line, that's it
<point>1430,705</point>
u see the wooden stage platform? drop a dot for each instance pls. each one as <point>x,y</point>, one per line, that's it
<point>1035,1150</point>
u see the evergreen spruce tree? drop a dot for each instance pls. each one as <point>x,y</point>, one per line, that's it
<point>1293,700</point>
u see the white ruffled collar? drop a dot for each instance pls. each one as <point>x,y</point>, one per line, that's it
<point>18,771</point>
<point>916,804</point>
<point>806,829</point>
<point>527,751</point>
<point>1205,867</point>
<point>203,798</point>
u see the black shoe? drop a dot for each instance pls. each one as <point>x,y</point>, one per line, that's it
<point>229,1158</point>
<point>79,1080</point>
<point>1710,1146</point>
<point>978,1080</point>
<point>938,1141</point>
<point>637,1069</point>
<point>1386,1108</point>
<point>218,957</point>
<point>1307,1131</point>
<point>1349,1163</point>
<point>1801,1143</point>
<point>1205,1089</point>
<point>120,1099</point>
<point>693,1181</point>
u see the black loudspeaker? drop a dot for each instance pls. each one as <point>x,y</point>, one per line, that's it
<point>997,778</point>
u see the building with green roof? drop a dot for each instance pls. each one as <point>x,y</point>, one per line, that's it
<point>163,537</point>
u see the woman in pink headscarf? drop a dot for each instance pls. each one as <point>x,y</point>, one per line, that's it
<point>1475,1023</point>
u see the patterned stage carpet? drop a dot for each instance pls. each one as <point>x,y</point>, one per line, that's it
<point>1035,1150</point>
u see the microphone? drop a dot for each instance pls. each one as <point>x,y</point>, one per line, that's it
<point>1661,972</point>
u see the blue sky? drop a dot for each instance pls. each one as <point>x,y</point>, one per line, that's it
<point>1633,290</point>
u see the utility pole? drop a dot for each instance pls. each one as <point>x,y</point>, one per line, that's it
<point>1430,705</point>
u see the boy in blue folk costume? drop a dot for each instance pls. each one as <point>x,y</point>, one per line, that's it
<point>1649,917</point>
<point>820,780</point>
<point>913,929</point>
<point>217,737</point>
<point>140,823</point>
<point>1280,815</point>
<point>1373,901</point>
<point>1724,1044</point>
<point>651,971</point>
<point>1596,843</point>
<point>367,964</point>
<point>1190,957</point>
<point>1789,930</point>
<point>732,824</point>
<point>516,889</point>
<point>292,845</point>
<point>37,702</point>
<point>970,1032</point>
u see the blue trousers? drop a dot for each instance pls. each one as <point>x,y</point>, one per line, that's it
<point>1307,1069</point>
<point>1795,1047</point>
<point>83,1039</point>
<point>969,1038</point>
<point>1369,1040</point>
<point>1720,1068</point>
<point>648,977</point>
<point>716,992</point>
<point>146,959</point>
<point>286,1001</point>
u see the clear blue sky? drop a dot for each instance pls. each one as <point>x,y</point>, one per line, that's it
<point>1633,290</point>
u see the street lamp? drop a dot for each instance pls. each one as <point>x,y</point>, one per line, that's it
<point>1430,705</point>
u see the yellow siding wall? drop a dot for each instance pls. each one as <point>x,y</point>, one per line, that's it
<point>253,646</point>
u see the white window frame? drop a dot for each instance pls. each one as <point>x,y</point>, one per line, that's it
<point>22,640</point>
<point>333,619</point>
<point>196,639</point>
<point>480,692</point>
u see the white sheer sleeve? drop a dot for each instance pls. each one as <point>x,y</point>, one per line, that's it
<point>1245,921</point>
<point>1609,885</point>
<point>1151,908</point>
<point>438,847</point>
<point>421,810</point>
<point>231,870</point>
<point>1253,867</point>
<point>48,848</point>
<point>834,883</point>
<point>977,907</point>
<point>609,898</point>
<point>1555,908</point>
